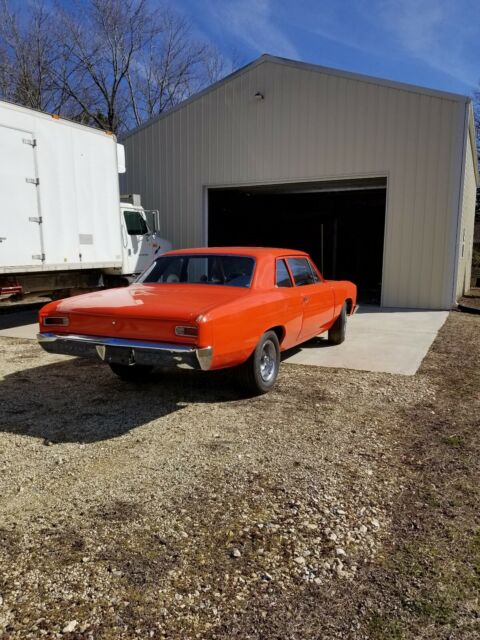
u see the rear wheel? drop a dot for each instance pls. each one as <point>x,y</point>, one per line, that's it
<point>336,334</point>
<point>259,373</point>
<point>132,373</point>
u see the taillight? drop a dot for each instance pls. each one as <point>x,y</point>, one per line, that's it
<point>56,320</point>
<point>190,332</point>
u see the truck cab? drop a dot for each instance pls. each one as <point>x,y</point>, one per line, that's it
<point>141,240</point>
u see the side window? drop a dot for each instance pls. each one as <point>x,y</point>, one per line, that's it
<point>314,272</point>
<point>301,271</point>
<point>136,225</point>
<point>282,276</point>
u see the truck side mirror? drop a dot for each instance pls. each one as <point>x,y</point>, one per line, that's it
<point>153,219</point>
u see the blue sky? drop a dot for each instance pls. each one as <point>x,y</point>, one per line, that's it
<point>435,43</point>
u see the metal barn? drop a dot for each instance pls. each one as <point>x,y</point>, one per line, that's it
<point>375,179</point>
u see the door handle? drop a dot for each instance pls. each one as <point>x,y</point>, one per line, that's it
<point>2,239</point>
<point>305,299</point>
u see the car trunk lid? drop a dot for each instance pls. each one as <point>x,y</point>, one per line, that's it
<point>144,311</point>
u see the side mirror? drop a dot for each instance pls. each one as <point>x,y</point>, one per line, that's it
<point>153,220</point>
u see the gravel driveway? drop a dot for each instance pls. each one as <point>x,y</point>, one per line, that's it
<point>179,509</point>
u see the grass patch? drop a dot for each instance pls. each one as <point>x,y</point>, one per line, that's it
<point>381,627</point>
<point>455,440</point>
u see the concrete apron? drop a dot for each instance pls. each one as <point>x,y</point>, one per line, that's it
<point>21,324</point>
<point>28,331</point>
<point>386,340</point>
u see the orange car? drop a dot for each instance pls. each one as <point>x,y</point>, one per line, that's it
<point>208,308</point>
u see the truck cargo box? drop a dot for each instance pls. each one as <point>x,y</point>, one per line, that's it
<point>60,194</point>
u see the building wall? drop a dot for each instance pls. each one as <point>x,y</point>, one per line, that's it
<point>465,240</point>
<point>315,124</point>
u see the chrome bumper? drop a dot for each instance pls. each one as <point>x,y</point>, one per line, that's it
<point>128,352</point>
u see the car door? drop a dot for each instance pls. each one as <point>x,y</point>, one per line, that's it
<point>290,311</point>
<point>317,296</point>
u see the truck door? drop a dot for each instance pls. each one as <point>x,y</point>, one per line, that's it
<point>20,222</point>
<point>137,242</point>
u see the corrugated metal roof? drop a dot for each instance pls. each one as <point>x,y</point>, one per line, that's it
<point>306,66</point>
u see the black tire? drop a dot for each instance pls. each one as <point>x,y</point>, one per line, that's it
<point>133,373</point>
<point>259,373</point>
<point>336,334</point>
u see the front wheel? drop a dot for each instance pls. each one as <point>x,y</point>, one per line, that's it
<point>337,332</point>
<point>259,373</point>
<point>131,373</point>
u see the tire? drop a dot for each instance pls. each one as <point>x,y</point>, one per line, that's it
<point>134,373</point>
<point>259,373</point>
<point>337,332</point>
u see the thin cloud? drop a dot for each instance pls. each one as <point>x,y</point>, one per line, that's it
<point>252,22</point>
<point>433,31</point>
<point>437,33</point>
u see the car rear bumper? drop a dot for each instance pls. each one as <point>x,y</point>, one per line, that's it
<point>128,352</point>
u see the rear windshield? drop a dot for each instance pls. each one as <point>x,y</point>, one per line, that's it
<point>233,271</point>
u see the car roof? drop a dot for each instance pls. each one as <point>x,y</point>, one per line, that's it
<point>244,251</point>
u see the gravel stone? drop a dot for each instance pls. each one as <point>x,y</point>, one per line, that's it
<point>70,626</point>
<point>163,483</point>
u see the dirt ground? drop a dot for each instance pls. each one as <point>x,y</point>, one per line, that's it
<point>471,299</point>
<point>343,504</point>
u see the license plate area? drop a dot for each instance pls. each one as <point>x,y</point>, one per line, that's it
<point>116,355</point>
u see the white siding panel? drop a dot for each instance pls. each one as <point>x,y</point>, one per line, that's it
<point>467,225</point>
<point>313,125</point>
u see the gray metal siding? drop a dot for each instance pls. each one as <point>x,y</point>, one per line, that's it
<point>313,126</point>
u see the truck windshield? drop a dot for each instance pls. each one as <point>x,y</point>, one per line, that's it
<point>232,271</point>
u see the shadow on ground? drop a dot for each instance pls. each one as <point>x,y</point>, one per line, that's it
<point>81,401</point>
<point>12,319</point>
<point>319,342</point>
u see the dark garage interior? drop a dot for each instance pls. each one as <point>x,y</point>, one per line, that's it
<point>340,225</point>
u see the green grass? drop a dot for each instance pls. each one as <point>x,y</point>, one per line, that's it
<point>384,628</point>
<point>456,441</point>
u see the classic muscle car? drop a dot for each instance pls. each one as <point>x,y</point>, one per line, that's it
<point>208,308</point>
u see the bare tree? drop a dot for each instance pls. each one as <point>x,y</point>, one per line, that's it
<point>4,71</point>
<point>217,65</point>
<point>109,63</point>
<point>30,55</point>
<point>476,114</point>
<point>168,70</point>
<point>101,39</point>
<point>129,63</point>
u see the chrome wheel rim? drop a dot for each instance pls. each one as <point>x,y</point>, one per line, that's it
<point>268,361</point>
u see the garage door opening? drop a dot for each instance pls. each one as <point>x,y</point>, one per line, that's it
<point>340,224</point>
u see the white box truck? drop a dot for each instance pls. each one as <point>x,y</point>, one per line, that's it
<point>62,225</point>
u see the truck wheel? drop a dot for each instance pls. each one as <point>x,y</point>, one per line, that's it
<point>134,373</point>
<point>259,373</point>
<point>336,333</point>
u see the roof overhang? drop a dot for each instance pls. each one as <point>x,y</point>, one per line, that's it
<point>305,66</point>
